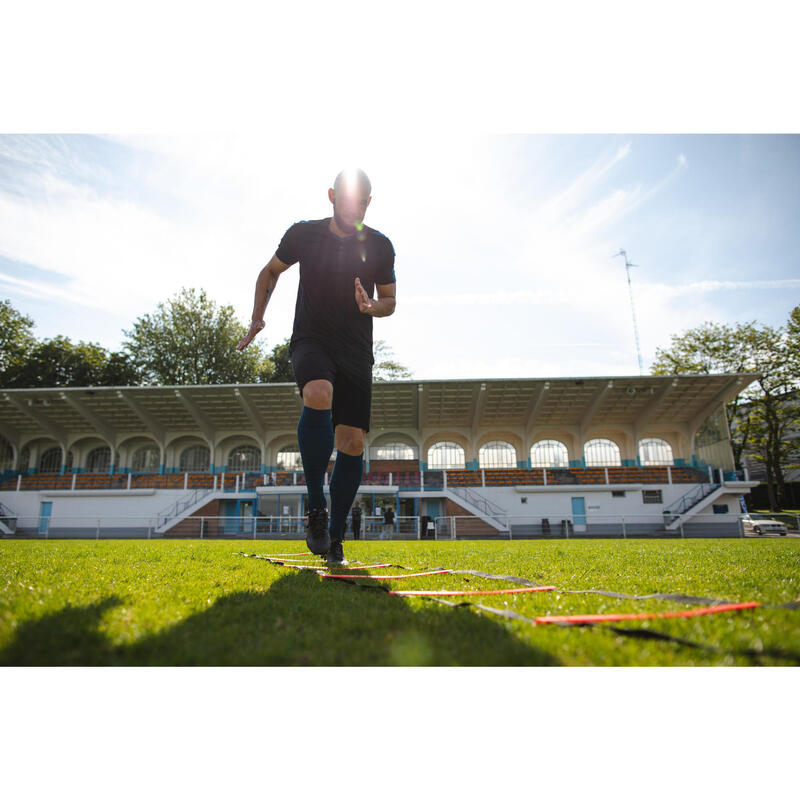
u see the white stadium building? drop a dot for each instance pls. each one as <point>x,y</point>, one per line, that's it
<point>618,456</point>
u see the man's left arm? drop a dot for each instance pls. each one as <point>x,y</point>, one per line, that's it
<point>383,306</point>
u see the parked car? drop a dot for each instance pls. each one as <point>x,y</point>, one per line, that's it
<point>756,523</point>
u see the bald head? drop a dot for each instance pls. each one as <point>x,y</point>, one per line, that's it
<point>353,181</point>
<point>350,197</point>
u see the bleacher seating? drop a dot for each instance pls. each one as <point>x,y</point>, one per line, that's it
<point>407,480</point>
<point>513,477</point>
<point>171,481</point>
<point>434,479</point>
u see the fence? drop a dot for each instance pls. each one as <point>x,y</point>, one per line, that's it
<point>502,527</point>
<point>629,526</point>
<point>201,527</point>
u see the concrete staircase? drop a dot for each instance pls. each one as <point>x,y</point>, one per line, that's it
<point>8,521</point>
<point>184,507</point>
<point>695,500</point>
<point>479,506</point>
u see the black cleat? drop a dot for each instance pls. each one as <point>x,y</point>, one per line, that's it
<point>336,554</point>
<point>318,537</point>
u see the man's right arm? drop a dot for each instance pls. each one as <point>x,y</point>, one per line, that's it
<point>265,286</point>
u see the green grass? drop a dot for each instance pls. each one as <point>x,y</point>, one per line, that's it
<point>198,603</point>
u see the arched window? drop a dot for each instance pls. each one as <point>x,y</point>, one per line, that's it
<point>602,453</point>
<point>393,451</point>
<point>655,453</point>
<point>98,460</point>
<point>244,458</point>
<point>289,459</point>
<point>50,461</point>
<point>497,455</point>
<point>146,459</point>
<point>550,453</point>
<point>446,455</point>
<point>195,459</point>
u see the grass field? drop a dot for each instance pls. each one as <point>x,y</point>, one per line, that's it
<point>199,603</point>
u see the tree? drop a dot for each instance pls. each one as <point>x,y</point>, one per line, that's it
<point>191,340</point>
<point>16,342</point>
<point>282,371</point>
<point>120,370</point>
<point>762,416</point>
<point>385,367</point>
<point>61,362</point>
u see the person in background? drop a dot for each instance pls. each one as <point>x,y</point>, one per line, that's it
<point>355,519</point>
<point>388,522</point>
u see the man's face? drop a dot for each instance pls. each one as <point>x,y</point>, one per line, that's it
<point>349,204</point>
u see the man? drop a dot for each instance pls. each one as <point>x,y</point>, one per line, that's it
<point>355,516</point>
<point>388,522</point>
<point>341,262</point>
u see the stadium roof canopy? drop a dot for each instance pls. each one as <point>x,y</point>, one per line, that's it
<point>63,413</point>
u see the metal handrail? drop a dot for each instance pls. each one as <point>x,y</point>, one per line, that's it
<point>689,500</point>
<point>175,509</point>
<point>477,500</point>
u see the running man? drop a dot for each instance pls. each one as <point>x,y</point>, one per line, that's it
<point>342,262</point>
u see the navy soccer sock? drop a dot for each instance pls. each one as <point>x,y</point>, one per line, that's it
<point>315,436</point>
<point>345,481</point>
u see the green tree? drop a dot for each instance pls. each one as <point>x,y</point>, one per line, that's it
<point>120,370</point>
<point>762,416</point>
<point>61,362</point>
<point>16,342</point>
<point>190,340</point>
<point>282,371</point>
<point>386,368</point>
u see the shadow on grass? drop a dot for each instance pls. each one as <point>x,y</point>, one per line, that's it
<point>69,637</point>
<point>300,620</point>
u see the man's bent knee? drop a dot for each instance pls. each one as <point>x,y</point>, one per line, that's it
<point>318,395</point>
<point>349,440</point>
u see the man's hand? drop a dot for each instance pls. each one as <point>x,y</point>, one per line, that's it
<point>363,300</point>
<point>255,326</point>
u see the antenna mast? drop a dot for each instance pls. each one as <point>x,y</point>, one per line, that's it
<point>628,266</point>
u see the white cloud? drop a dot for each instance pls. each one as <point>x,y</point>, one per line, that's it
<point>486,286</point>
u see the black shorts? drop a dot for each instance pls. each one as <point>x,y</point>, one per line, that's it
<point>351,379</point>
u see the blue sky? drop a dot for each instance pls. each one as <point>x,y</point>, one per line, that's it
<point>504,243</point>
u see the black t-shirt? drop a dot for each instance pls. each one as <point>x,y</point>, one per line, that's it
<point>326,308</point>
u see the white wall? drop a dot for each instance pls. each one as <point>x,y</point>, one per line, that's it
<point>136,505</point>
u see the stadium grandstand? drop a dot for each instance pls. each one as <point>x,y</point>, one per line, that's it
<point>618,456</point>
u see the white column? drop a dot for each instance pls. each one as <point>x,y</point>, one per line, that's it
<point>185,481</point>
<point>483,478</point>
<point>74,476</point>
<point>606,472</point>
<point>669,475</point>
<point>130,476</point>
<point>544,473</point>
